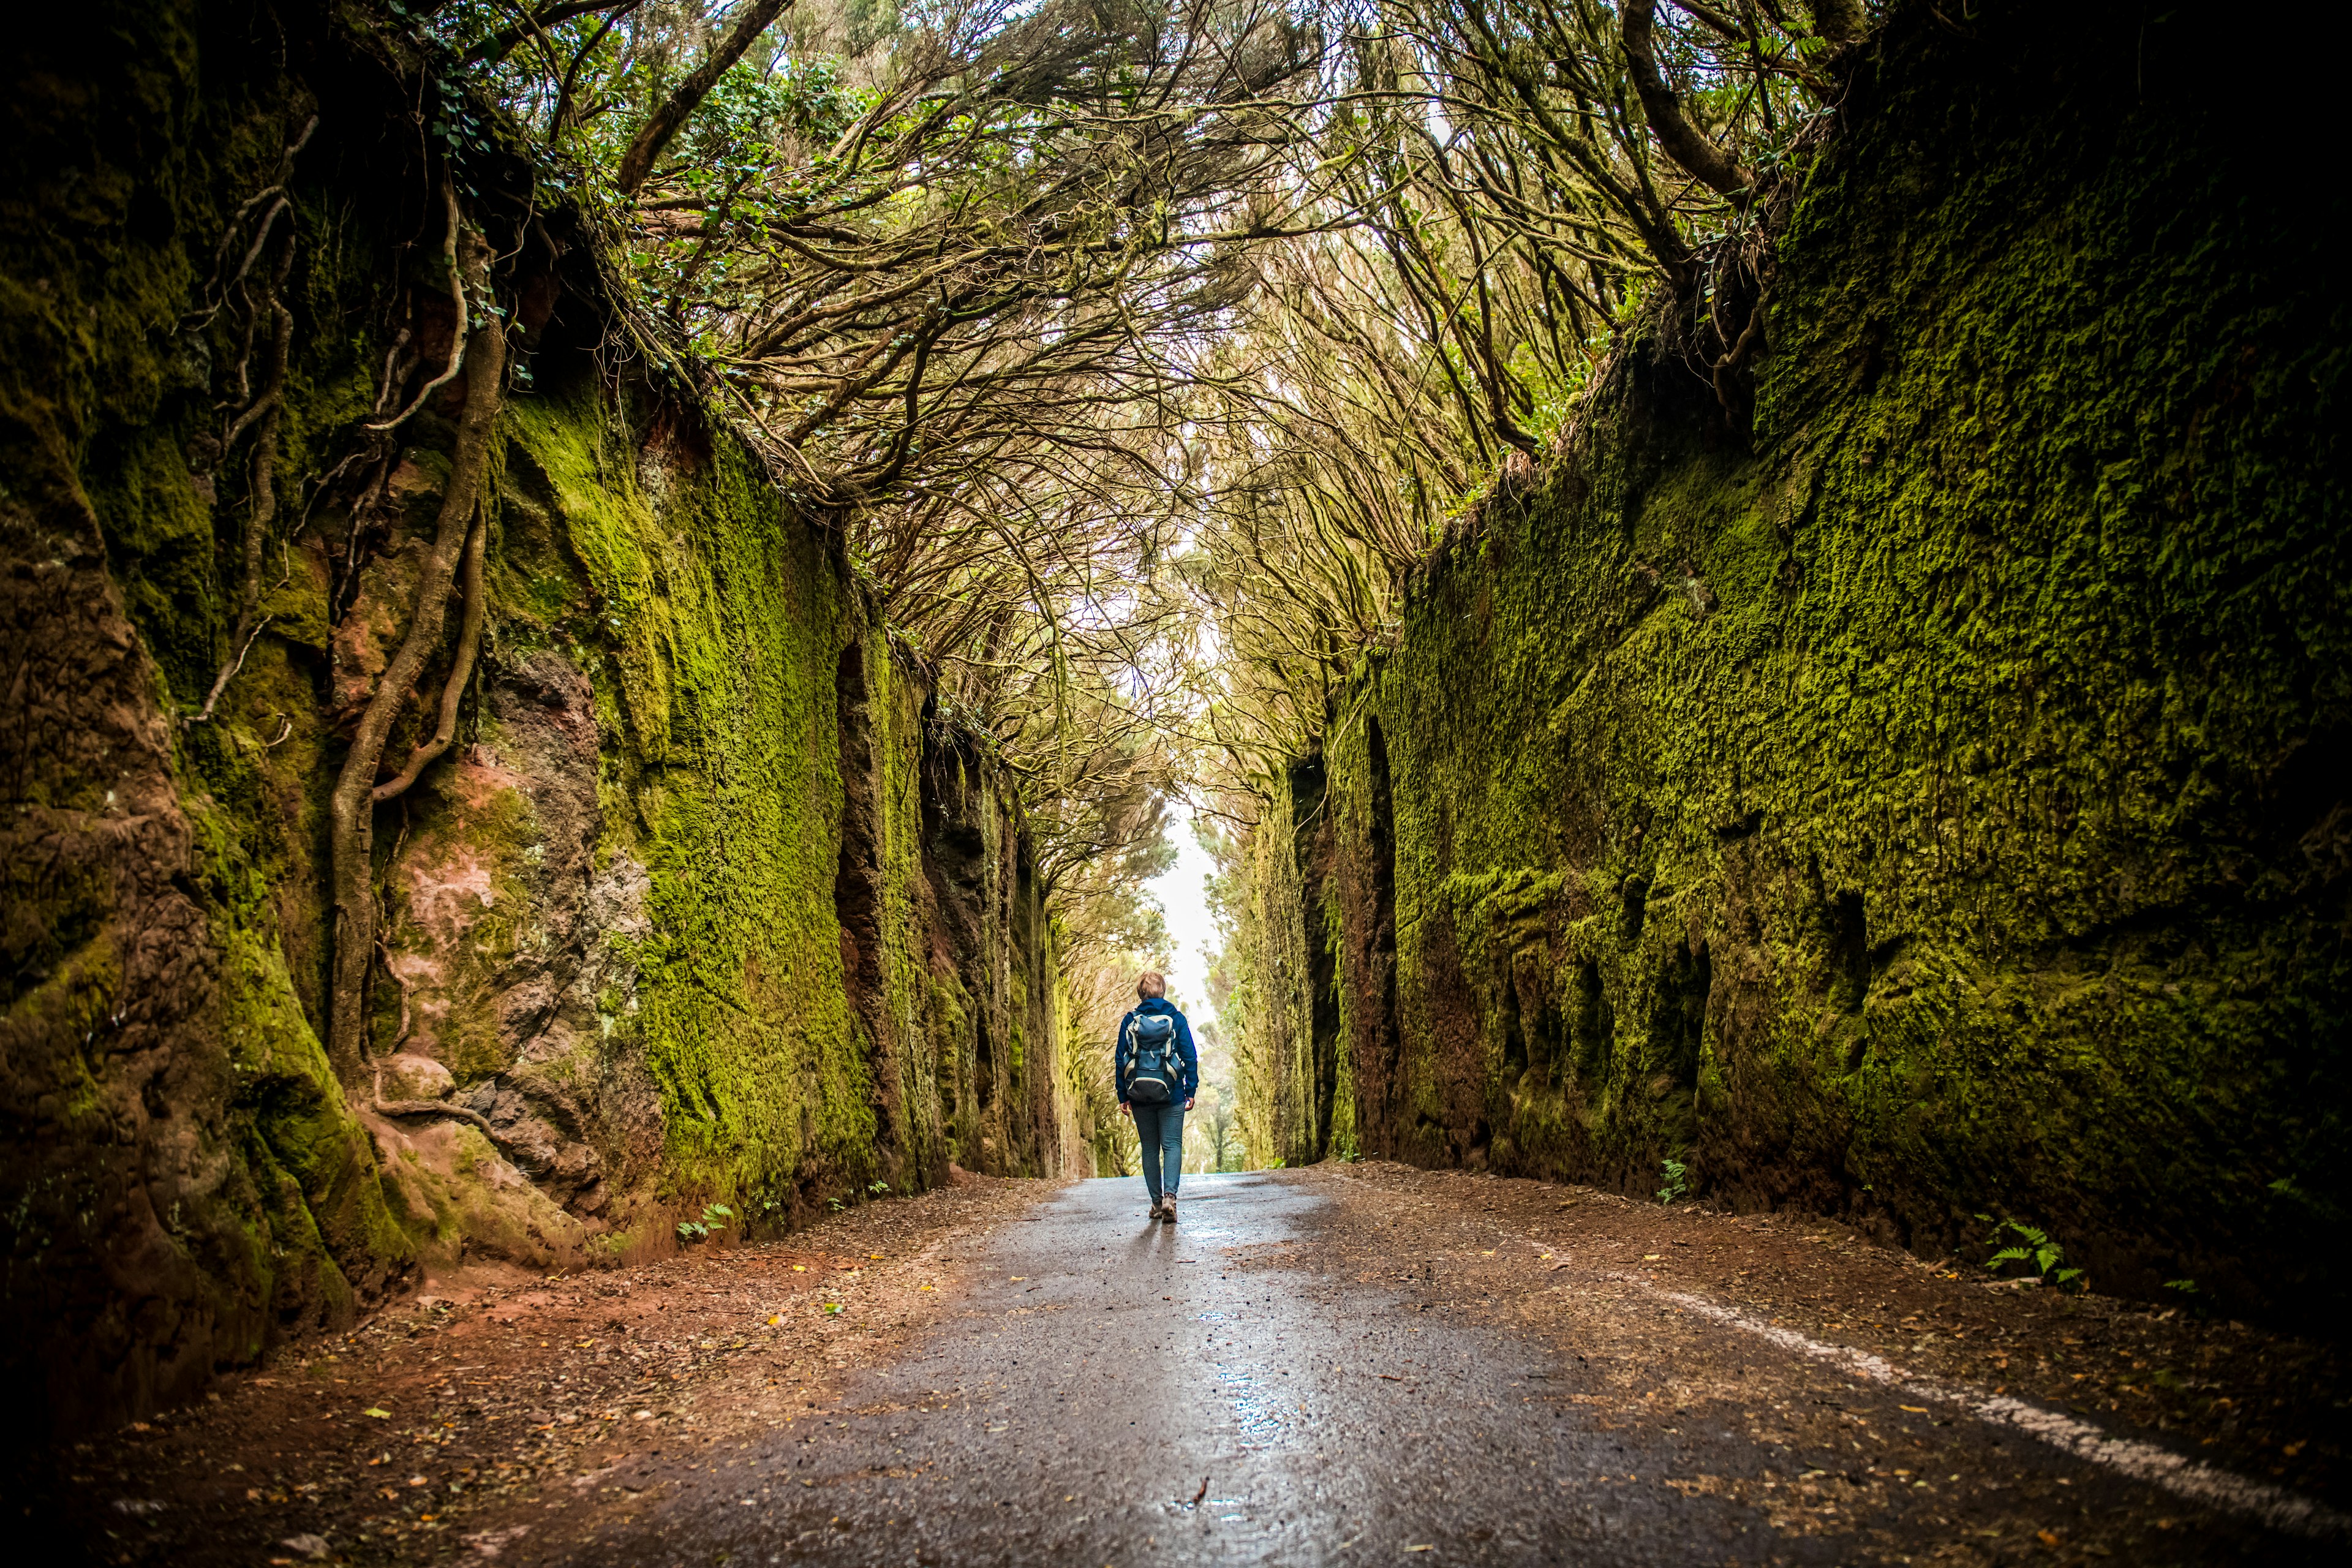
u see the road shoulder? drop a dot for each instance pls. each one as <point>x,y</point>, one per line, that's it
<point>478,1419</point>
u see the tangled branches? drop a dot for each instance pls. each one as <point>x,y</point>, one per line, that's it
<point>1137,350</point>
<point>1530,180</point>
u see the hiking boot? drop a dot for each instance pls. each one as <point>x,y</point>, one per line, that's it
<point>1155,1208</point>
<point>1168,1210</point>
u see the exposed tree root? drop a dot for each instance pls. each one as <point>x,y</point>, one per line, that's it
<point>264,410</point>
<point>352,823</point>
<point>384,1107</point>
<point>457,341</point>
<point>461,669</point>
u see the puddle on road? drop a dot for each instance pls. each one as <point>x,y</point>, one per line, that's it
<point>1253,1416</point>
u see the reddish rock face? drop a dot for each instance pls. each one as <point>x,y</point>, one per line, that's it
<point>491,955</point>
<point>166,1105</point>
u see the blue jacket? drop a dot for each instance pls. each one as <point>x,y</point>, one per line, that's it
<point>1190,1074</point>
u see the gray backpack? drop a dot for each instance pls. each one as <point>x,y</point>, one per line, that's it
<point>1156,1073</point>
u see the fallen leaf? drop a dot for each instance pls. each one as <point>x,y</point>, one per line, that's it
<point>2047,1537</point>
<point>1915,1409</point>
<point>380,1413</point>
<point>1649,1257</point>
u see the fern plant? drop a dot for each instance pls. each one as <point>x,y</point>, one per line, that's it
<point>1677,1177</point>
<point>2035,1247</point>
<point>714,1218</point>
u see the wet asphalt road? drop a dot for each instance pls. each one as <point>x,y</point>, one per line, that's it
<point>1124,1393</point>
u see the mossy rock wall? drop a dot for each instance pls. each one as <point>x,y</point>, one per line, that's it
<point>703,907</point>
<point>1934,805</point>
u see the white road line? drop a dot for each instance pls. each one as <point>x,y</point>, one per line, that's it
<point>2176,1473</point>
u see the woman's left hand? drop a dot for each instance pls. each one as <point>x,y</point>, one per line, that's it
<point>1188,1105</point>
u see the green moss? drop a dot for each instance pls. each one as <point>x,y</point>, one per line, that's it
<point>720,613</point>
<point>1936,808</point>
<point>630,538</point>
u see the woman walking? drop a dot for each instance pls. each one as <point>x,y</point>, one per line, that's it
<point>1158,1075</point>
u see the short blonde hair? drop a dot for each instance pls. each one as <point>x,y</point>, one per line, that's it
<point>1150,984</point>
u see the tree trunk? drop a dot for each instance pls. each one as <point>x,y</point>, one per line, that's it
<point>1684,143</point>
<point>639,161</point>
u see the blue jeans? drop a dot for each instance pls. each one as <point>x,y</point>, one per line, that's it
<point>1161,1130</point>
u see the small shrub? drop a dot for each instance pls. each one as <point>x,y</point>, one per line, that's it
<point>714,1219</point>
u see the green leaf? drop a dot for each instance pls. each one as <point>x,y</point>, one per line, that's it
<point>379,1415</point>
